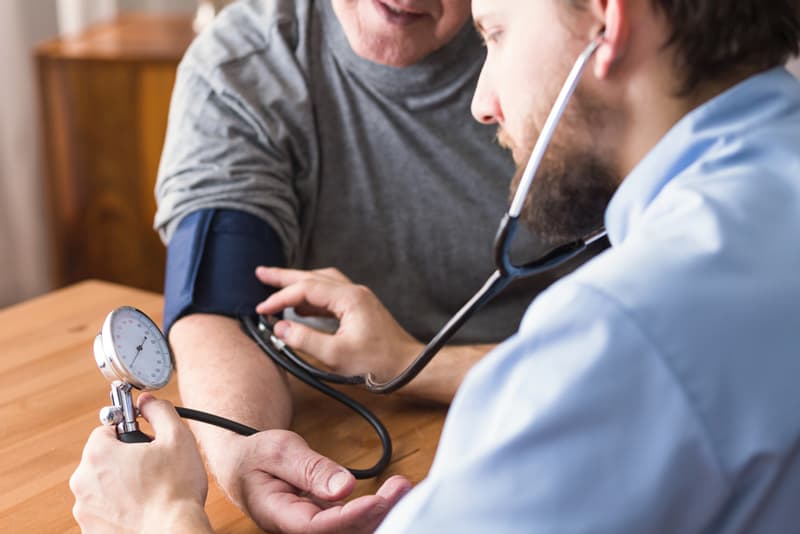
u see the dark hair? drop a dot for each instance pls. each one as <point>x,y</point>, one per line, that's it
<point>716,38</point>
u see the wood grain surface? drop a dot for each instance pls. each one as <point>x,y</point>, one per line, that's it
<point>51,391</point>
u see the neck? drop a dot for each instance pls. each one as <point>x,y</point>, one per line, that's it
<point>656,106</point>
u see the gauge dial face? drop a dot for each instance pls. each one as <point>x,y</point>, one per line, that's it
<point>136,349</point>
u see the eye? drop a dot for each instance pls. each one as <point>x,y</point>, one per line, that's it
<point>492,36</point>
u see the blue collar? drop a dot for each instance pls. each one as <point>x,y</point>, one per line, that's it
<point>728,116</point>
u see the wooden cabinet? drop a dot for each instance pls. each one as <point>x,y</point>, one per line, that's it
<point>105,98</point>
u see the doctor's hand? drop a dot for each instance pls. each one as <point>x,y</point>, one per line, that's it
<point>142,487</point>
<point>368,339</point>
<point>284,486</point>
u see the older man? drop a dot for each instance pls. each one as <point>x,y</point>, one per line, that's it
<point>653,390</point>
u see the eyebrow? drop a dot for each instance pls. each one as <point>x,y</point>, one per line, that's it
<point>479,21</point>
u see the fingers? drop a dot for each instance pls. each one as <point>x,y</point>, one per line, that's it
<point>102,434</point>
<point>277,277</point>
<point>280,509</point>
<point>289,468</point>
<point>317,293</point>
<point>95,451</point>
<point>277,507</point>
<point>162,417</point>
<point>365,513</point>
<point>359,515</point>
<point>305,339</point>
<point>332,273</point>
<point>394,489</point>
<point>286,455</point>
<point>99,440</point>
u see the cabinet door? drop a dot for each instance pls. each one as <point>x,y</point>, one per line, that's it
<point>105,123</point>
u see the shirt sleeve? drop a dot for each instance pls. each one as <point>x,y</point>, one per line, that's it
<point>574,425</point>
<point>236,139</point>
<point>211,264</point>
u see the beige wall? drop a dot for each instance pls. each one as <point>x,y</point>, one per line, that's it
<point>157,5</point>
<point>74,15</point>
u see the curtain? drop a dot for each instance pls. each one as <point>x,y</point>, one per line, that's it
<point>75,15</point>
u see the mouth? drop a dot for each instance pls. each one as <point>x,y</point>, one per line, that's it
<point>396,15</point>
<point>505,141</point>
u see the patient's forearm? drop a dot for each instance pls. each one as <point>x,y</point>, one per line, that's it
<point>221,371</point>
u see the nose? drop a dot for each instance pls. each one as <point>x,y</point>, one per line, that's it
<point>485,104</point>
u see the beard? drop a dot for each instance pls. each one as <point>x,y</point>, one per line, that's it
<point>573,186</point>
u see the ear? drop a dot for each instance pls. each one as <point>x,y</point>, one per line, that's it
<point>613,15</point>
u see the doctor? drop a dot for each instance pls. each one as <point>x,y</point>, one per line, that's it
<point>653,390</point>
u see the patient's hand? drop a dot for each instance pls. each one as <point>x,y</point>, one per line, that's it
<point>284,486</point>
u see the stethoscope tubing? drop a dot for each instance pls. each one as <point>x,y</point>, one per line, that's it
<point>278,356</point>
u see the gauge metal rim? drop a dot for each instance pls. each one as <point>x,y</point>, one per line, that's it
<point>117,365</point>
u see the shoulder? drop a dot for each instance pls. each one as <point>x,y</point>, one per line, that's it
<point>575,333</point>
<point>708,283</point>
<point>270,29</point>
<point>547,420</point>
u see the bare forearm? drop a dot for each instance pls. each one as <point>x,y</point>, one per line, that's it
<point>439,381</point>
<point>221,371</point>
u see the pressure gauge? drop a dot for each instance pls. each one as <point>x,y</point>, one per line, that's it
<point>131,348</point>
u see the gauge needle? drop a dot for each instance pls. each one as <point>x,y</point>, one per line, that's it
<point>138,350</point>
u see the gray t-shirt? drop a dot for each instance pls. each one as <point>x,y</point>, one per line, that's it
<point>381,172</point>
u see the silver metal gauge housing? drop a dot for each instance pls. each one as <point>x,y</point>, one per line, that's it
<point>130,347</point>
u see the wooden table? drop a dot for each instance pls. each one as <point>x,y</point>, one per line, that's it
<point>51,391</point>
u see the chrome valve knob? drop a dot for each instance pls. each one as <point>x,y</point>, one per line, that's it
<point>111,415</point>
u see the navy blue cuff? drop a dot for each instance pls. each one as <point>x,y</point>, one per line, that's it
<point>211,262</point>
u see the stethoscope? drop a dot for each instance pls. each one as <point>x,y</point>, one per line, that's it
<point>133,353</point>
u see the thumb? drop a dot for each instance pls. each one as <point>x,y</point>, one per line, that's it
<point>161,415</point>
<point>290,459</point>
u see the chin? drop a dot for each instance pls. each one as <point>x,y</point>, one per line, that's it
<point>375,49</point>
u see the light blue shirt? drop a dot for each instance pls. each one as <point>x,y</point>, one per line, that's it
<point>656,389</point>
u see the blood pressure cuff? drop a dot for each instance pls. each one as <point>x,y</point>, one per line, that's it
<point>211,262</point>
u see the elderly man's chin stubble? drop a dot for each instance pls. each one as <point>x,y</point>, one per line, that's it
<point>569,194</point>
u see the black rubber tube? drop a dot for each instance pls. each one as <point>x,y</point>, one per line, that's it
<point>251,329</point>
